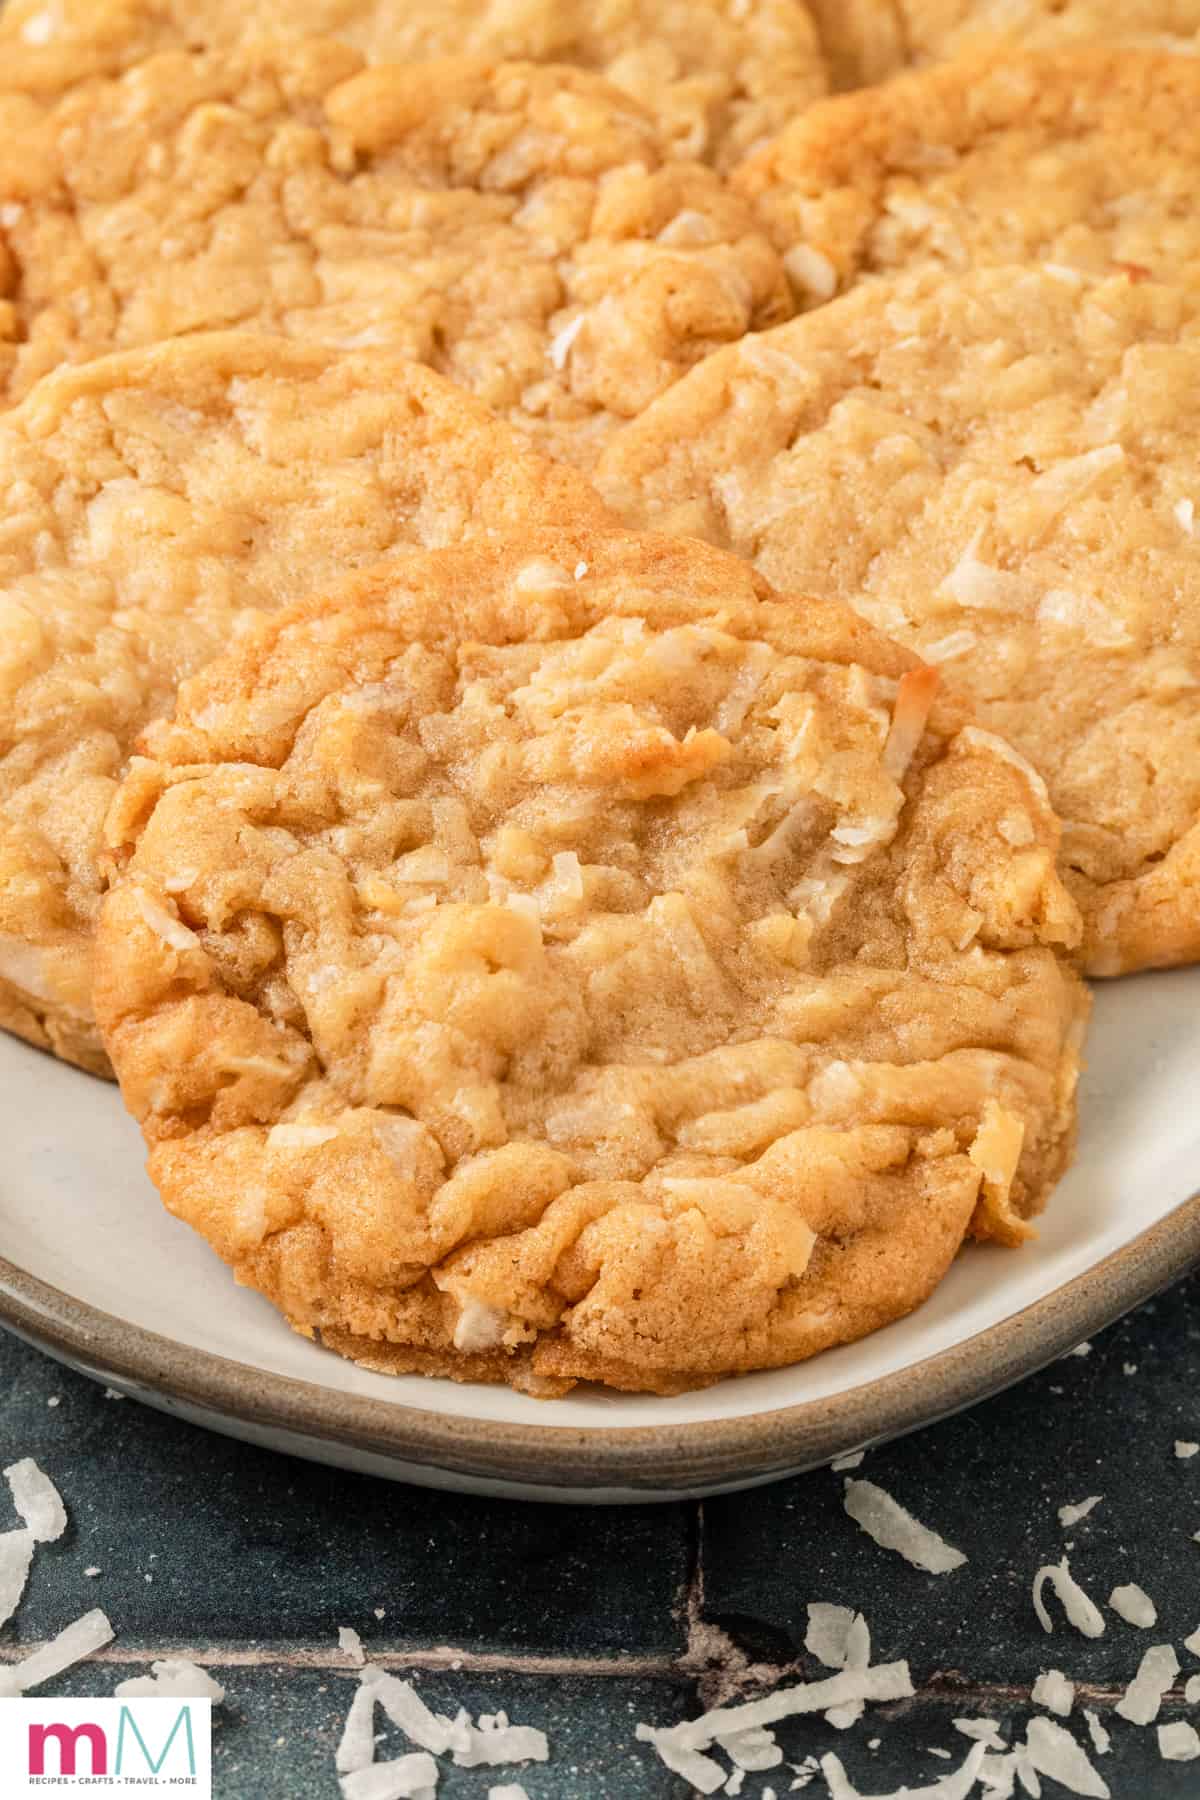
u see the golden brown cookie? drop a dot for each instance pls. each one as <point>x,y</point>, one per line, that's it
<point>1084,158</point>
<point>519,227</point>
<point>1001,470</point>
<point>152,503</point>
<point>719,75</point>
<point>566,959</point>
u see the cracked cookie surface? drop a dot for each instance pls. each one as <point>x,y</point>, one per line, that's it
<point>150,502</point>
<point>999,470</point>
<point>718,75</point>
<point>567,959</point>
<point>520,227</point>
<point>1083,159</point>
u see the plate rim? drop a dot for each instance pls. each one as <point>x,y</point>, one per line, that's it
<point>643,1460</point>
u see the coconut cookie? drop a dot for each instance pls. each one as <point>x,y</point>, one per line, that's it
<point>149,505</point>
<point>1001,471</point>
<point>520,227</point>
<point>567,960</point>
<point>1085,159</point>
<point>719,75</point>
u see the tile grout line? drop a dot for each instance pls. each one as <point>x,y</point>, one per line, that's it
<point>441,1657</point>
<point>448,1659</point>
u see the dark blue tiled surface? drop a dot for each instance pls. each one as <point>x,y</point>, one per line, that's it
<point>992,1481</point>
<point>578,1620</point>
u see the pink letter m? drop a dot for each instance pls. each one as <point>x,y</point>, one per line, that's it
<point>68,1737</point>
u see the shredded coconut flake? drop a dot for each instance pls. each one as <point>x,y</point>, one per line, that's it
<point>998,746</point>
<point>807,1771</point>
<point>743,690</point>
<point>496,1741</point>
<point>38,29</point>
<point>1134,1605</point>
<point>955,643</point>
<point>1053,1691</point>
<point>172,1678</point>
<point>680,1746</point>
<point>914,701</point>
<point>1064,606</point>
<point>998,1774</point>
<point>984,1731</point>
<point>568,875</point>
<point>699,1771</point>
<point>1184,1448</point>
<point>479,1327</point>
<point>978,586</point>
<point>687,227</point>
<point>955,1786</point>
<point>885,1520</point>
<point>16,1559</point>
<point>1081,1612</point>
<point>853,1460</point>
<point>164,925</point>
<point>72,1644</point>
<point>560,344</point>
<point>299,1137</point>
<point>351,1643</point>
<point>812,271</point>
<point>540,574</point>
<point>37,1500</point>
<point>409,1714</point>
<point>407,1778</point>
<point>752,1750</point>
<point>1071,1514</point>
<point>1143,1697</point>
<point>1101,1742</point>
<point>23,964</point>
<point>1076,476</point>
<point>1055,1754</point>
<point>828,1632</point>
<point>1178,1742</point>
<point>427,863</point>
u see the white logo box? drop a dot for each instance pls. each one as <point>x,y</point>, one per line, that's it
<point>75,1747</point>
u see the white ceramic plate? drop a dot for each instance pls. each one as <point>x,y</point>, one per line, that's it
<point>94,1271</point>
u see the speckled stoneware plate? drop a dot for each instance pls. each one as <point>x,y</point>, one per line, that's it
<point>95,1273</point>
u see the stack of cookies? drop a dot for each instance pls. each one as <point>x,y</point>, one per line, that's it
<point>594,635</point>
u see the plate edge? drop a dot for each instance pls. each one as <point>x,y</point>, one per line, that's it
<point>644,1458</point>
